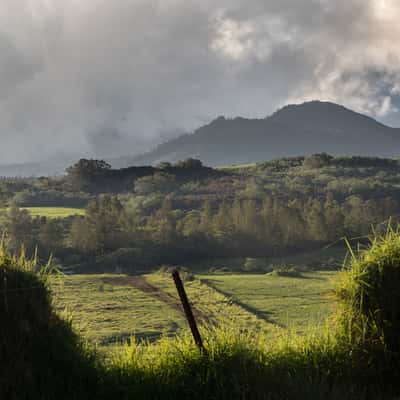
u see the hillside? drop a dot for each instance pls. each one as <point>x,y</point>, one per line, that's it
<point>295,129</point>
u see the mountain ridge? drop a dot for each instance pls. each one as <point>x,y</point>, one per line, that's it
<point>295,129</point>
<point>292,130</point>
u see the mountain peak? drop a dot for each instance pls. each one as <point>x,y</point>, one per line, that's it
<point>318,112</point>
<point>294,130</point>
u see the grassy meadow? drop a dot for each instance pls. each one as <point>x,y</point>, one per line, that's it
<point>110,309</point>
<point>54,212</point>
<point>297,303</point>
<point>106,309</point>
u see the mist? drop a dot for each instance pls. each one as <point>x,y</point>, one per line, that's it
<point>103,79</point>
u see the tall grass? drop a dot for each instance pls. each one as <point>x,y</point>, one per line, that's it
<point>40,356</point>
<point>369,294</point>
<point>240,366</point>
<point>354,357</point>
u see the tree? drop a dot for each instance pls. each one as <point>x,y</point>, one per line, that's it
<point>51,235</point>
<point>82,173</point>
<point>103,224</point>
<point>223,220</point>
<point>81,236</point>
<point>206,217</point>
<point>334,218</point>
<point>164,165</point>
<point>315,220</point>
<point>191,163</point>
<point>317,160</point>
<point>20,230</point>
<point>157,183</point>
<point>165,219</point>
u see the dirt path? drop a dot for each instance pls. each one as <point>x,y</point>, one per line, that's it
<point>140,283</point>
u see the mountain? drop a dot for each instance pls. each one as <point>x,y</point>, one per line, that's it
<point>311,127</point>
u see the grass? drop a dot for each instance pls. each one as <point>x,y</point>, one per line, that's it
<point>108,310</point>
<point>215,308</point>
<point>40,356</point>
<point>238,364</point>
<point>54,212</point>
<point>300,304</point>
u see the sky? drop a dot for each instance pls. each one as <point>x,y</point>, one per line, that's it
<point>105,78</point>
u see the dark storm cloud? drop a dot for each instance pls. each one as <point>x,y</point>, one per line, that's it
<point>100,77</point>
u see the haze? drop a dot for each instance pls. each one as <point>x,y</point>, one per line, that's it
<point>108,78</point>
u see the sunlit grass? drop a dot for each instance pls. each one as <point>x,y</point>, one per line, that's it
<point>107,312</point>
<point>300,304</point>
<point>54,212</point>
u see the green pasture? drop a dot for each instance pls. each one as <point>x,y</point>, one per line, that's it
<point>54,212</point>
<point>106,310</point>
<point>110,309</point>
<point>298,303</point>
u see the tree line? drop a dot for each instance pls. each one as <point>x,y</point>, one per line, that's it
<point>114,235</point>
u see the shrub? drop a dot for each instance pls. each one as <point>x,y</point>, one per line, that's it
<point>253,264</point>
<point>288,271</point>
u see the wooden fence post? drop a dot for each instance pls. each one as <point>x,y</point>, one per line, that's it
<point>188,310</point>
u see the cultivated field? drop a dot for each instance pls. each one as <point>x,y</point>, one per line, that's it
<point>109,309</point>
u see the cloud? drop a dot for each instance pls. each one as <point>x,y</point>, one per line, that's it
<point>104,78</point>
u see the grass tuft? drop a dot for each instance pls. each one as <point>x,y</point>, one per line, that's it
<point>369,295</point>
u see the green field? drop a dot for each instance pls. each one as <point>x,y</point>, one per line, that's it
<point>298,303</point>
<point>106,309</point>
<point>109,309</point>
<point>54,212</point>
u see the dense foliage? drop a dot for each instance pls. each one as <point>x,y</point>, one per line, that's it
<point>178,213</point>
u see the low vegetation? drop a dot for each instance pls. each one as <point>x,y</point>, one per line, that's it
<point>40,355</point>
<point>357,357</point>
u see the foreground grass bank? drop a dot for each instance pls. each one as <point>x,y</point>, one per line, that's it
<point>356,358</point>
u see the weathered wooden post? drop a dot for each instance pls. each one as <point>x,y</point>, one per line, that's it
<point>188,310</point>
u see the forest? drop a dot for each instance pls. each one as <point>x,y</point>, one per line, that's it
<point>140,218</point>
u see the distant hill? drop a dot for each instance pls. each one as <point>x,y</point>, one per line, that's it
<point>307,128</point>
<point>294,130</point>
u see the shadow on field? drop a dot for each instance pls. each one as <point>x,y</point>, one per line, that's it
<point>259,314</point>
<point>140,283</point>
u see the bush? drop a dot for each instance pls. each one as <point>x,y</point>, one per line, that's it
<point>289,272</point>
<point>253,264</point>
